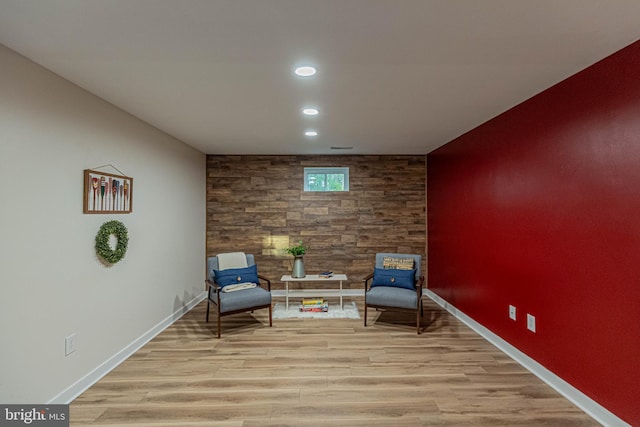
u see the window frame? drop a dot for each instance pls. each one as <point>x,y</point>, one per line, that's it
<point>344,171</point>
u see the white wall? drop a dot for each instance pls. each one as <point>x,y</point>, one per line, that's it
<point>51,283</point>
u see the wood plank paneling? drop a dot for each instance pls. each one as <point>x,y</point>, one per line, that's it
<point>256,204</point>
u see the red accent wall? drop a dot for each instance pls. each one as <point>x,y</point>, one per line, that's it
<point>540,208</point>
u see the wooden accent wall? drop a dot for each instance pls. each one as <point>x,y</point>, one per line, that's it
<point>256,204</point>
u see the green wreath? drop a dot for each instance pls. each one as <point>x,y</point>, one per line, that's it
<point>103,249</point>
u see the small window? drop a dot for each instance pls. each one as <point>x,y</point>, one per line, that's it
<point>326,179</point>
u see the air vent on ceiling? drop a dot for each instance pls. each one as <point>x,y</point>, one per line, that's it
<point>342,148</point>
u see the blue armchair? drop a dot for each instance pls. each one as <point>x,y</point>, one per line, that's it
<point>396,284</point>
<point>236,290</point>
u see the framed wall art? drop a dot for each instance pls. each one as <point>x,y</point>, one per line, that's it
<point>106,193</point>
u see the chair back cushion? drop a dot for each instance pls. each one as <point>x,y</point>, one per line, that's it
<point>212,264</point>
<point>417,261</point>
<point>394,277</point>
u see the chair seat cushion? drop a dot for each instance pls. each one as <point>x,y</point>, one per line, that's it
<point>393,277</point>
<point>240,300</point>
<point>391,296</point>
<point>233,276</point>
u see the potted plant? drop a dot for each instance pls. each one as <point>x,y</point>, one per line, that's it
<point>297,250</point>
<point>298,265</point>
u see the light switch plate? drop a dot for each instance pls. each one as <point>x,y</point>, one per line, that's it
<point>69,344</point>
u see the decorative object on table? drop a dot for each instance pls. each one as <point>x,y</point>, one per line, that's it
<point>325,274</point>
<point>298,267</point>
<point>103,246</point>
<point>298,264</point>
<point>107,193</point>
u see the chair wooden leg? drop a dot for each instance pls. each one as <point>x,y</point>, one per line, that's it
<point>219,323</point>
<point>270,316</point>
<point>365,313</point>
<point>208,302</point>
<point>419,314</point>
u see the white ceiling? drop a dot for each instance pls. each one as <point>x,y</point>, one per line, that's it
<point>394,76</point>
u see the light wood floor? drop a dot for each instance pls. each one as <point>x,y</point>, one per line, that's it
<point>322,372</point>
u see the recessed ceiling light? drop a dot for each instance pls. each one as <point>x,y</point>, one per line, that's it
<point>305,71</point>
<point>310,111</point>
<point>311,133</point>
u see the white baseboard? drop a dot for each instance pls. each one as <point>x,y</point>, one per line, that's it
<point>584,402</point>
<point>68,395</point>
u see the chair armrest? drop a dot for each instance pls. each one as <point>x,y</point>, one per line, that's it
<point>211,284</point>
<point>261,277</point>
<point>419,285</point>
<point>216,290</point>
<point>366,281</point>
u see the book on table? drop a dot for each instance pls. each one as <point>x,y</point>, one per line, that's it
<point>325,274</point>
<point>314,305</point>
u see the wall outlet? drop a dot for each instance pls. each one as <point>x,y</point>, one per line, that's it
<point>531,322</point>
<point>512,312</point>
<point>69,344</point>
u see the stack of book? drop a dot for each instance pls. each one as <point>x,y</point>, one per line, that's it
<point>314,304</point>
<point>325,274</point>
